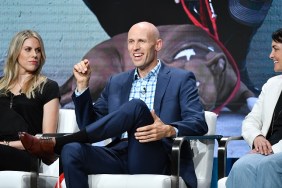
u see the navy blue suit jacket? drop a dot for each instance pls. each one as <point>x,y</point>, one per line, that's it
<point>176,103</point>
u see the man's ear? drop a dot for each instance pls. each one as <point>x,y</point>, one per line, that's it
<point>159,45</point>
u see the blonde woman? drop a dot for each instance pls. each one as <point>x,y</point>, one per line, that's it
<point>28,100</point>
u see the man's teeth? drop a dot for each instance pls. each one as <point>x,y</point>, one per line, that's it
<point>275,62</point>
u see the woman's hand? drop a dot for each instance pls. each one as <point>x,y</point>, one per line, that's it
<point>262,146</point>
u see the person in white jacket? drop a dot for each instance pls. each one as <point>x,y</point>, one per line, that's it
<point>262,130</point>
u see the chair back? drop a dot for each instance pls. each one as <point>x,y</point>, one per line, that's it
<point>67,121</point>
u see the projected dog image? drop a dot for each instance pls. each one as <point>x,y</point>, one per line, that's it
<point>185,46</point>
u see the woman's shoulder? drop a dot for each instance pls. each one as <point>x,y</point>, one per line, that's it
<point>272,82</point>
<point>50,90</point>
<point>274,79</point>
<point>50,86</point>
<point>51,82</point>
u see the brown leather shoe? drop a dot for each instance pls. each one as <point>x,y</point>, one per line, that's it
<point>40,147</point>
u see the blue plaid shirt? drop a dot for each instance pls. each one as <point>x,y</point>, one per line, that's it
<point>144,88</point>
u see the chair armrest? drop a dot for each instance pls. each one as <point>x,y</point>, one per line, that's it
<point>222,154</point>
<point>34,172</point>
<point>52,134</point>
<point>176,147</point>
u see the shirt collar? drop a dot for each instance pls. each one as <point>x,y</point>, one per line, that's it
<point>153,72</point>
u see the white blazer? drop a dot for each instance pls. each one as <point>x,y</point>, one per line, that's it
<point>258,121</point>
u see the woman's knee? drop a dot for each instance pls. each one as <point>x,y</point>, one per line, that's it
<point>269,164</point>
<point>243,164</point>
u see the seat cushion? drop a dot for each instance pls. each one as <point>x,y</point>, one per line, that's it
<point>20,179</point>
<point>129,181</point>
<point>47,181</point>
<point>15,179</point>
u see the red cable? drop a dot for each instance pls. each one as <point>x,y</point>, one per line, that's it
<point>192,18</point>
<point>60,180</point>
<point>212,19</point>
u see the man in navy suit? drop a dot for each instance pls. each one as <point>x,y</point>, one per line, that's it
<point>149,105</point>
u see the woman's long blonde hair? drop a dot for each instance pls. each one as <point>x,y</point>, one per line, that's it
<point>11,69</point>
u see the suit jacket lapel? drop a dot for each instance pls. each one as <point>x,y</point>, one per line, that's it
<point>126,87</point>
<point>162,83</point>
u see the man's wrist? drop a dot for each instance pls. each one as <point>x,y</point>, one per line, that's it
<point>172,131</point>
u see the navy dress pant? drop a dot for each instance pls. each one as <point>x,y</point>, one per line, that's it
<point>120,157</point>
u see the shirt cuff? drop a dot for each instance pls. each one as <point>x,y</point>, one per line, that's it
<point>176,131</point>
<point>78,93</point>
